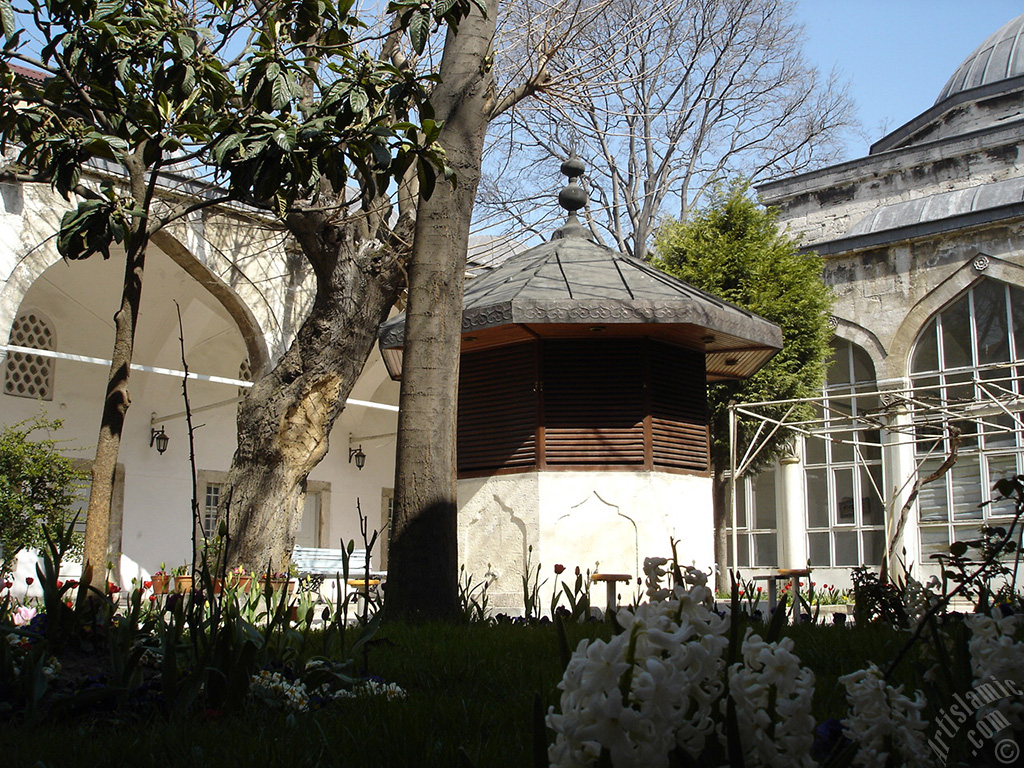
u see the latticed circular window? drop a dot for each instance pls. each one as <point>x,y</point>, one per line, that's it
<point>28,375</point>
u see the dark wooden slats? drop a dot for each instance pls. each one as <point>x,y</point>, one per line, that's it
<point>498,409</point>
<point>594,402</point>
<point>595,397</point>
<point>678,408</point>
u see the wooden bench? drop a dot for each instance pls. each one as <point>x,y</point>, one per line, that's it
<point>320,565</point>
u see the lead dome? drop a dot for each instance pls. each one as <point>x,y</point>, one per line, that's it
<point>999,57</point>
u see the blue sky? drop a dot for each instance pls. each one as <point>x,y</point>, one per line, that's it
<point>897,55</point>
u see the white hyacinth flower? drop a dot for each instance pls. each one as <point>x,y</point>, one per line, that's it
<point>881,715</point>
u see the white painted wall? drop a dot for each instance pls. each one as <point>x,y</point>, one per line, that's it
<point>600,521</point>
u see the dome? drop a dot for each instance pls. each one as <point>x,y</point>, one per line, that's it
<point>1001,56</point>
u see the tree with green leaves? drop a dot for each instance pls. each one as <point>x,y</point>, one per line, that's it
<point>149,87</point>
<point>38,485</point>
<point>734,249</point>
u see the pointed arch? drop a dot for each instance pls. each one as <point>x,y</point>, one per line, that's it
<point>965,361</point>
<point>979,267</point>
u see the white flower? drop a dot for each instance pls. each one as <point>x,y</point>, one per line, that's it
<point>669,663</point>
<point>879,712</point>
<point>772,694</point>
<point>997,657</point>
<point>275,689</point>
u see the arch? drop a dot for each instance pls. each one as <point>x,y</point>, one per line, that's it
<point>964,361</point>
<point>238,310</point>
<point>975,269</point>
<point>31,266</point>
<point>859,335</point>
<point>28,269</point>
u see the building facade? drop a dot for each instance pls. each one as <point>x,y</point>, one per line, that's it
<point>923,243</point>
<point>242,289</point>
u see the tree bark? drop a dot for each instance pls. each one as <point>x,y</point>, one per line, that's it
<point>285,420</point>
<point>423,551</point>
<point>96,551</point>
<point>96,554</point>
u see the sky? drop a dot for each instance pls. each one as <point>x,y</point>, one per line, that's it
<point>897,54</point>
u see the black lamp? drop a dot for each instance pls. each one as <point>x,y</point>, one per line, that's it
<point>358,455</point>
<point>160,439</point>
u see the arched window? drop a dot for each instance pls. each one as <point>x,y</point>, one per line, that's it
<point>25,374</point>
<point>843,467</point>
<point>961,375</point>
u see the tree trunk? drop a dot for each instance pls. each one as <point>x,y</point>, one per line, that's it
<point>96,552</point>
<point>285,420</point>
<point>423,551</point>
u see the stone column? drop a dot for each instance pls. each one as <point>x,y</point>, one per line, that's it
<point>899,467</point>
<point>792,519</point>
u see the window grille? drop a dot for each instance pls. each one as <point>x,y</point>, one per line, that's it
<point>25,374</point>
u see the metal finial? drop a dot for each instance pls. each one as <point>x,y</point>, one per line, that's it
<point>573,167</point>
<point>572,198</point>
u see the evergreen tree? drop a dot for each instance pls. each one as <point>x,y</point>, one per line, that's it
<point>734,249</point>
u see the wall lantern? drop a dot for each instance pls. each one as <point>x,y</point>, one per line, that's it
<point>160,439</point>
<point>358,455</point>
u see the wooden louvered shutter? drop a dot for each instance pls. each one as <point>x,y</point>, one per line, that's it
<point>498,409</point>
<point>678,394</point>
<point>593,403</point>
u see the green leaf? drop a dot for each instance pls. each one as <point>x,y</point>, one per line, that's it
<point>284,137</point>
<point>419,30</point>
<point>280,92</point>
<point>85,230</point>
<point>186,44</point>
<point>381,154</point>
<point>358,100</point>
<point>443,6</point>
<point>428,179</point>
<point>7,19</point>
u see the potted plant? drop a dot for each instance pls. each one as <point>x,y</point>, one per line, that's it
<point>161,580</point>
<point>283,579</point>
<point>182,580</point>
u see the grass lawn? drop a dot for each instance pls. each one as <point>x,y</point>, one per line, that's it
<point>469,687</point>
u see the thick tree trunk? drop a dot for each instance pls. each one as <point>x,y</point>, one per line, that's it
<point>96,554</point>
<point>423,551</point>
<point>285,420</point>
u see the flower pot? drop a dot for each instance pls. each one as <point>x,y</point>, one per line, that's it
<point>161,582</point>
<point>279,584</point>
<point>182,583</point>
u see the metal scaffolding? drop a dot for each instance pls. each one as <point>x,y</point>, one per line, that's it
<point>931,417</point>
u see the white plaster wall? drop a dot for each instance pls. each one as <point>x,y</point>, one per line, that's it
<point>599,521</point>
<point>498,523</point>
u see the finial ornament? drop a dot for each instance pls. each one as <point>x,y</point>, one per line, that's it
<point>572,198</point>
